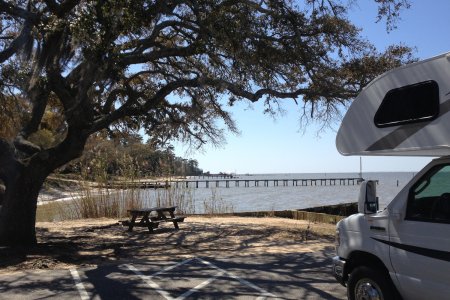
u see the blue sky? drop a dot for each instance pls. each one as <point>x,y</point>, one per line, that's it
<point>279,146</point>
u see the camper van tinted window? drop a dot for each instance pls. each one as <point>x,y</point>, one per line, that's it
<point>409,104</point>
<point>429,198</point>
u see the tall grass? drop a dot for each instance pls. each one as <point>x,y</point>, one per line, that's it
<point>106,202</point>
<point>98,201</point>
<point>181,197</point>
<point>216,205</point>
<point>92,202</point>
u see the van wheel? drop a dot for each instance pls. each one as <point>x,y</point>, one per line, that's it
<point>369,284</point>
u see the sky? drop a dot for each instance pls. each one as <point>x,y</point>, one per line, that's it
<point>267,146</point>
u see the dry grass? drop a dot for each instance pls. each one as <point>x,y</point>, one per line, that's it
<point>86,202</point>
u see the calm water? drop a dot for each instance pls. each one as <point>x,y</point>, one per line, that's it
<point>257,198</point>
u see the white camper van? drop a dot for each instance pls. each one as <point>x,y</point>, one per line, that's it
<point>402,251</point>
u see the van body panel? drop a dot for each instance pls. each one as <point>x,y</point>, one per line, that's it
<point>354,231</point>
<point>411,236</point>
<point>359,133</point>
<point>415,253</point>
<point>420,249</point>
<point>414,249</point>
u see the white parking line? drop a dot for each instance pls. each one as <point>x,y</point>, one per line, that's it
<point>263,292</point>
<point>150,282</point>
<point>148,279</point>
<point>198,287</point>
<point>79,284</point>
<point>172,267</point>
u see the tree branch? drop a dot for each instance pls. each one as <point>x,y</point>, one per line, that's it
<point>61,9</point>
<point>17,43</point>
<point>39,97</point>
<point>18,12</point>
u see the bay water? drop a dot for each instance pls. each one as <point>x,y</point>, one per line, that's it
<point>268,198</point>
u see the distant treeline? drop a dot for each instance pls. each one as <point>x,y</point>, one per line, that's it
<point>129,157</point>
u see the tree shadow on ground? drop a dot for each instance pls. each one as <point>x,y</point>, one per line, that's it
<point>110,243</point>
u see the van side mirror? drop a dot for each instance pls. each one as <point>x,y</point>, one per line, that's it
<point>368,200</point>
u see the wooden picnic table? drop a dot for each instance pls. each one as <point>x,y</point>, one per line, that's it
<point>151,217</point>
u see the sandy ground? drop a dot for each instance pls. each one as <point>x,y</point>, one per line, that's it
<point>92,242</point>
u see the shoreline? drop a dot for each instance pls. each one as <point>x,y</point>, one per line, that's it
<point>62,189</point>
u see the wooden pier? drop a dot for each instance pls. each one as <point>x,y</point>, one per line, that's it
<point>227,183</point>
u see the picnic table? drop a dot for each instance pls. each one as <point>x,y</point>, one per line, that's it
<point>152,217</point>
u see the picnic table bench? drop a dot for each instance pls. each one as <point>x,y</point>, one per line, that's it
<point>152,217</point>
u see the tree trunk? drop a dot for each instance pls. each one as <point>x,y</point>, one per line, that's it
<point>23,179</point>
<point>18,212</point>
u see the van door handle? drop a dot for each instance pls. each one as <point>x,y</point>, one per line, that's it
<point>377,228</point>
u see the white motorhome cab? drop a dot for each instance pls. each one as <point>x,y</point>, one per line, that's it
<point>402,251</point>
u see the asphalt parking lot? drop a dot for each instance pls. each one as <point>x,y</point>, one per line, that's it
<point>259,276</point>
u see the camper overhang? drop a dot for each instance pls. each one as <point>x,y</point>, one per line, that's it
<point>403,112</point>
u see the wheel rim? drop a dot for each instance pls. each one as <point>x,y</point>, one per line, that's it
<point>367,289</point>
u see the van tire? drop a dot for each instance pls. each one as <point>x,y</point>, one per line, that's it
<point>365,280</point>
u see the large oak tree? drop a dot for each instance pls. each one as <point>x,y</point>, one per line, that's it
<point>170,67</point>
